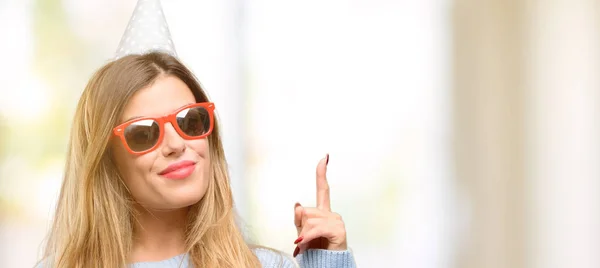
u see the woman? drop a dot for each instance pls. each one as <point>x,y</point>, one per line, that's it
<point>146,181</point>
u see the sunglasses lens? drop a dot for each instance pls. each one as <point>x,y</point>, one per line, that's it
<point>194,122</point>
<point>142,135</point>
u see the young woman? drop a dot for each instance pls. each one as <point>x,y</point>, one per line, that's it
<point>146,181</point>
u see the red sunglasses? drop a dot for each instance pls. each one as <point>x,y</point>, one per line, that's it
<point>142,135</point>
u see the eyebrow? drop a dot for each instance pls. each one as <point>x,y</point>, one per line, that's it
<point>138,116</point>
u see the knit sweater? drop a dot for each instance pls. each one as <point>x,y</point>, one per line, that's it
<point>312,258</point>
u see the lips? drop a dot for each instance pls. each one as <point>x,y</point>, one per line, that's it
<point>179,170</point>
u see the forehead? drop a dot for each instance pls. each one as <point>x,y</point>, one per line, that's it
<point>165,95</point>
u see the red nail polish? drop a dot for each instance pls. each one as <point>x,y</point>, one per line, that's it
<point>296,251</point>
<point>327,162</point>
<point>298,240</point>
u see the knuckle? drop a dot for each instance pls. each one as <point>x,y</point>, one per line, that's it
<point>342,233</point>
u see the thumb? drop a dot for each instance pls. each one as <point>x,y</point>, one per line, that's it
<point>298,210</point>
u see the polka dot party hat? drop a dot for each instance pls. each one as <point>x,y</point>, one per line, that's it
<point>147,31</point>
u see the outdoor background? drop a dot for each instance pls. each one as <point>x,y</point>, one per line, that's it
<point>461,133</point>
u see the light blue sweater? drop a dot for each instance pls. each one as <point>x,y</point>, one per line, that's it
<point>312,258</point>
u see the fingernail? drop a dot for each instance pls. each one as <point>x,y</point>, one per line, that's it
<point>297,205</point>
<point>327,162</point>
<point>296,251</point>
<point>298,240</point>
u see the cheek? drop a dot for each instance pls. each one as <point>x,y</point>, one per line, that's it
<point>132,168</point>
<point>135,176</point>
<point>200,147</point>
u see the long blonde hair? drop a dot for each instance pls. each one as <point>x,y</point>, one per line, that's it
<point>93,223</point>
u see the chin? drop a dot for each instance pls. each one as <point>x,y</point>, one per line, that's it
<point>186,201</point>
<point>178,202</point>
<point>186,196</point>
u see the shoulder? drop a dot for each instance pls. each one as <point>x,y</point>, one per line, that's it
<point>271,258</point>
<point>44,263</point>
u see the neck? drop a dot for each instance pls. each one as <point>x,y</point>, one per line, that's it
<point>158,235</point>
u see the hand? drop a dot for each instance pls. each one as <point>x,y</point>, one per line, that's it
<point>319,228</point>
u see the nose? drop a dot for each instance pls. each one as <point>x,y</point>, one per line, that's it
<point>173,143</point>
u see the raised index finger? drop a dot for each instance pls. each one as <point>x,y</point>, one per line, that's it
<point>322,185</point>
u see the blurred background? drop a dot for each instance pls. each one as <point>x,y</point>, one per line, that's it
<point>461,133</point>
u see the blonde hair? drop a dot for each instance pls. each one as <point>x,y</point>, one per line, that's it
<point>93,222</point>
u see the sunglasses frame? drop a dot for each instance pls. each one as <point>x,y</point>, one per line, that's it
<point>119,130</point>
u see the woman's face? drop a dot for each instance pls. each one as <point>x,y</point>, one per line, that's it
<point>145,174</point>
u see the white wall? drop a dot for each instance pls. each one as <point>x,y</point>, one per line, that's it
<point>564,139</point>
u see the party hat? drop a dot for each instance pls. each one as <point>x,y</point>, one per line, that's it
<point>147,31</point>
